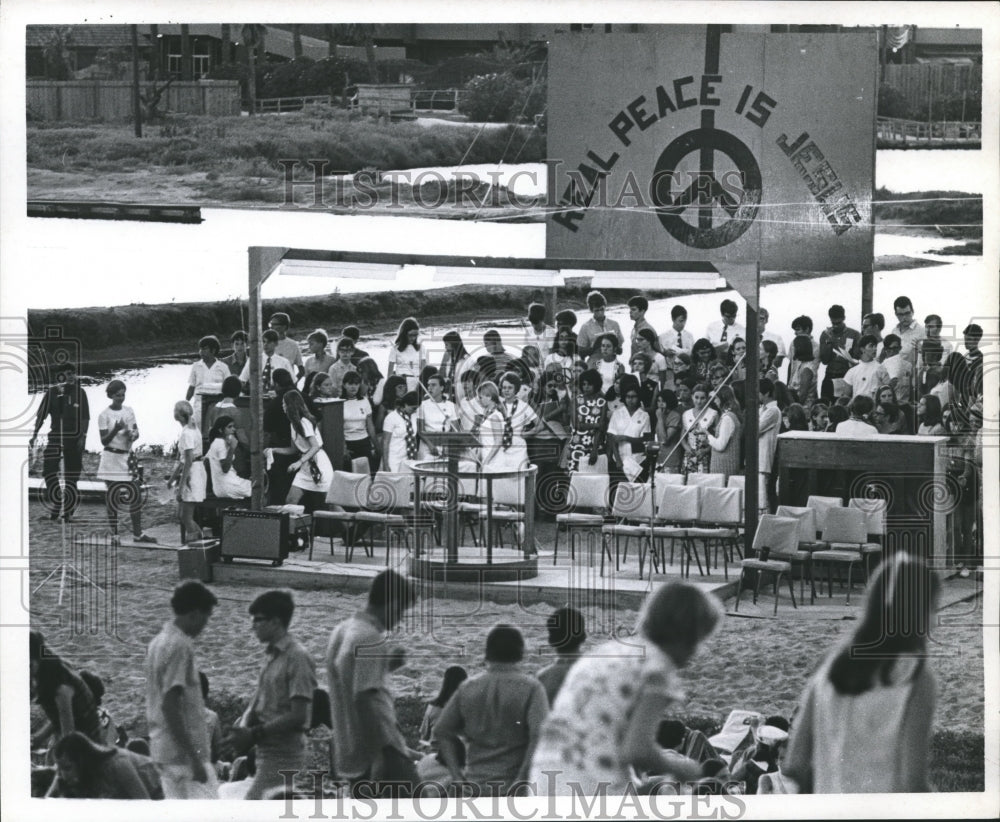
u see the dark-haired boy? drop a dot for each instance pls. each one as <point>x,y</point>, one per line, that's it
<point>637,308</point>
<point>277,718</point>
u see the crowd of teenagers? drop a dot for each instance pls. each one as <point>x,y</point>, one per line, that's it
<point>555,396</point>
<point>596,717</point>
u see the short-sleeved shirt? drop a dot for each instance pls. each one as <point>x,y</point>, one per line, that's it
<point>357,661</point>
<point>288,673</point>
<point>337,372</point>
<point>407,361</point>
<point>498,712</point>
<point>276,361</point>
<point>289,349</point>
<point>715,329</point>
<point>437,416</point>
<point>356,414</point>
<point>589,332</point>
<point>866,378</point>
<point>911,338</point>
<point>202,374</point>
<point>680,341</point>
<point>395,426</point>
<point>170,664</point>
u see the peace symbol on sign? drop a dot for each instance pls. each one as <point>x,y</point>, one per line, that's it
<point>706,193</point>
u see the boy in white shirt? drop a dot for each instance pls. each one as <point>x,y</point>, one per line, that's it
<point>865,378</point>
<point>899,369</point>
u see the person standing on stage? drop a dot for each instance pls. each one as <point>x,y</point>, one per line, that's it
<point>175,712</point>
<point>278,716</point>
<point>65,403</point>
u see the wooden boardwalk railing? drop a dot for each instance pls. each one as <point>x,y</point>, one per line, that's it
<point>896,132</point>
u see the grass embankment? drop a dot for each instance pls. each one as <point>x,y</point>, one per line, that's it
<point>955,214</point>
<point>137,331</point>
<point>235,159</point>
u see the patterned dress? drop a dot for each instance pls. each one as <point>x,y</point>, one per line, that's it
<point>588,411</point>
<point>697,458</point>
<point>582,738</point>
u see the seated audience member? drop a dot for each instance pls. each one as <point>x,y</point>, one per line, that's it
<point>567,633</point>
<point>499,713</point>
<point>836,416</point>
<point>88,770</point>
<point>61,693</point>
<point>238,358</point>
<point>223,444</point>
<point>750,762</point>
<point>857,424</point>
<point>674,735</point>
<point>794,418</point>
<point>868,375</point>
<point>111,732</point>
<point>319,359</point>
<point>929,417</point>
<point>212,722</point>
<point>271,361</point>
<point>353,333</point>
<point>431,767</point>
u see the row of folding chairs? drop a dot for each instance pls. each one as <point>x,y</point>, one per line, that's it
<point>679,513</point>
<point>789,538</point>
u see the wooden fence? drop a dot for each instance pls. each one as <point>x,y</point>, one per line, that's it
<point>271,105</point>
<point>111,100</point>
<point>920,82</point>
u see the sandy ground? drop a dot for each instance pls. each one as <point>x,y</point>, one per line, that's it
<point>753,661</point>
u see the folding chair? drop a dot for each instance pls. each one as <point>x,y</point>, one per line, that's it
<point>875,524</point>
<point>807,544</point>
<point>677,509</point>
<point>737,481</point>
<point>585,491</point>
<point>508,508</point>
<point>633,512</point>
<point>670,479</point>
<point>349,492</point>
<point>707,480</point>
<point>388,500</point>
<point>844,537</point>
<point>718,522</point>
<point>781,536</point>
<point>821,505</point>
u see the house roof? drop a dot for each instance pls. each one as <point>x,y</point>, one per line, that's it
<point>107,36</point>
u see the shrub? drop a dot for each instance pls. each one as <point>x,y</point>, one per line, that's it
<point>893,103</point>
<point>491,97</point>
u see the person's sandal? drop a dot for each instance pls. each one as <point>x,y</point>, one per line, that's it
<point>144,539</point>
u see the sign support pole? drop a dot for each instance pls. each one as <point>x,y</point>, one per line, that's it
<point>752,503</point>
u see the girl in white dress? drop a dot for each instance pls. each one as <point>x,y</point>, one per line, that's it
<point>406,357</point>
<point>518,416</point>
<point>226,483</point>
<point>189,473</point>
<point>436,413</point>
<point>313,470</point>
<point>119,430</point>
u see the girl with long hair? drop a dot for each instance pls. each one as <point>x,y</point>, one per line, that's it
<point>406,357</point>
<point>360,439</point>
<point>930,417</point>
<point>313,470</point>
<point>724,436</point>
<point>697,420</point>
<point>668,432</point>
<point>454,357</point>
<point>226,483</point>
<point>865,720</point>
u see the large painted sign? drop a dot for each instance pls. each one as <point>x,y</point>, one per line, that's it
<point>686,143</point>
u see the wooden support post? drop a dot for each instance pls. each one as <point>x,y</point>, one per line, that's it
<point>550,308</point>
<point>262,262</point>
<point>751,423</point>
<point>867,292</point>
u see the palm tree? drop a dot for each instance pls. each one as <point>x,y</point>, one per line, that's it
<point>252,36</point>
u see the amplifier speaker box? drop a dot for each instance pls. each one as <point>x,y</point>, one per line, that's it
<point>195,560</point>
<point>255,535</point>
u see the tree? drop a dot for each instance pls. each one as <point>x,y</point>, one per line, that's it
<point>252,36</point>
<point>59,60</point>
